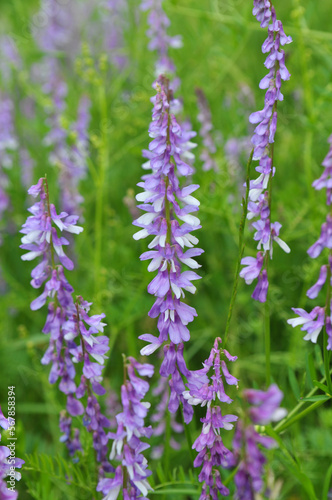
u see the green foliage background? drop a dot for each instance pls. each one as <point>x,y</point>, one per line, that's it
<point>221,54</point>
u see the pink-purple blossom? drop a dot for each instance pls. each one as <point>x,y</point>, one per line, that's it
<point>259,206</point>
<point>160,41</point>
<point>169,220</point>
<point>8,464</point>
<point>314,322</point>
<point>73,333</point>
<point>127,446</point>
<point>208,390</point>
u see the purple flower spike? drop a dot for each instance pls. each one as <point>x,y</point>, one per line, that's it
<point>313,322</point>
<point>8,465</point>
<point>249,457</point>
<point>127,447</point>
<point>207,391</point>
<point>159,40</point>
<point>75,339</point>
<point>169,220</point>
<point>264,135</point>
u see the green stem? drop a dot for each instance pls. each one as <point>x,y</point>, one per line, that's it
<point>267,337</point>
<point>241,247</point>
<point>327,482</point>
<point>281,425</point>
<point>304,413</point>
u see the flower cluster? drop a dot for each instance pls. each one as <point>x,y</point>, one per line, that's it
<point>204,117</point>
<point>159,39</point>
<point>8,464</point>
<point>72,331</point>
<point>127,448</point>
<point>260,189</point>
<point>264,410</point>
<point>262,12</point>
<point>208,391</point>
<point>313,322</point>
<point>167,205</point>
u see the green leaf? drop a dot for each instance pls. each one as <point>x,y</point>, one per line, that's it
<point>292,465</point>
<point>327,482</point>
<point>320,397</point>
<point>321,386</point>
<point>293,383</point>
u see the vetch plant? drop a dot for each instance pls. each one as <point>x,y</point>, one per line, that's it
<point>72,331</point>
<point>169,220</point>
<point>160,41</point>
<point>263,141</point>
<point>209,391</point>
<point>8,466</point>
<point>320,316</point>
<point>131,475</point>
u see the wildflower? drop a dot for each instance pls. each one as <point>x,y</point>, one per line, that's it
<point>169,220</point>
<point>248,454</point>
<point>8,464</point>
<point>313,322</point>
<point>206,391</point>
<point>265,120</point>
<point>127,446</point>
<point>73,338</point>
<point>159,39</point>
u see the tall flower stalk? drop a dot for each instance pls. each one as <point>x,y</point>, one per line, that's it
<point>208,391</point>
<point>160,41</point>
<point>73,339</point>
<point>320,316</point>
<point>260,194</point>
<point>130,476</point>
<point>8,464</point>
<point>169,220</point>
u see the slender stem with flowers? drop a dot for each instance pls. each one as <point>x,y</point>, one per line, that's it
<point>261,188</point>
<point>320,317</point>
<point>166,206</point>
